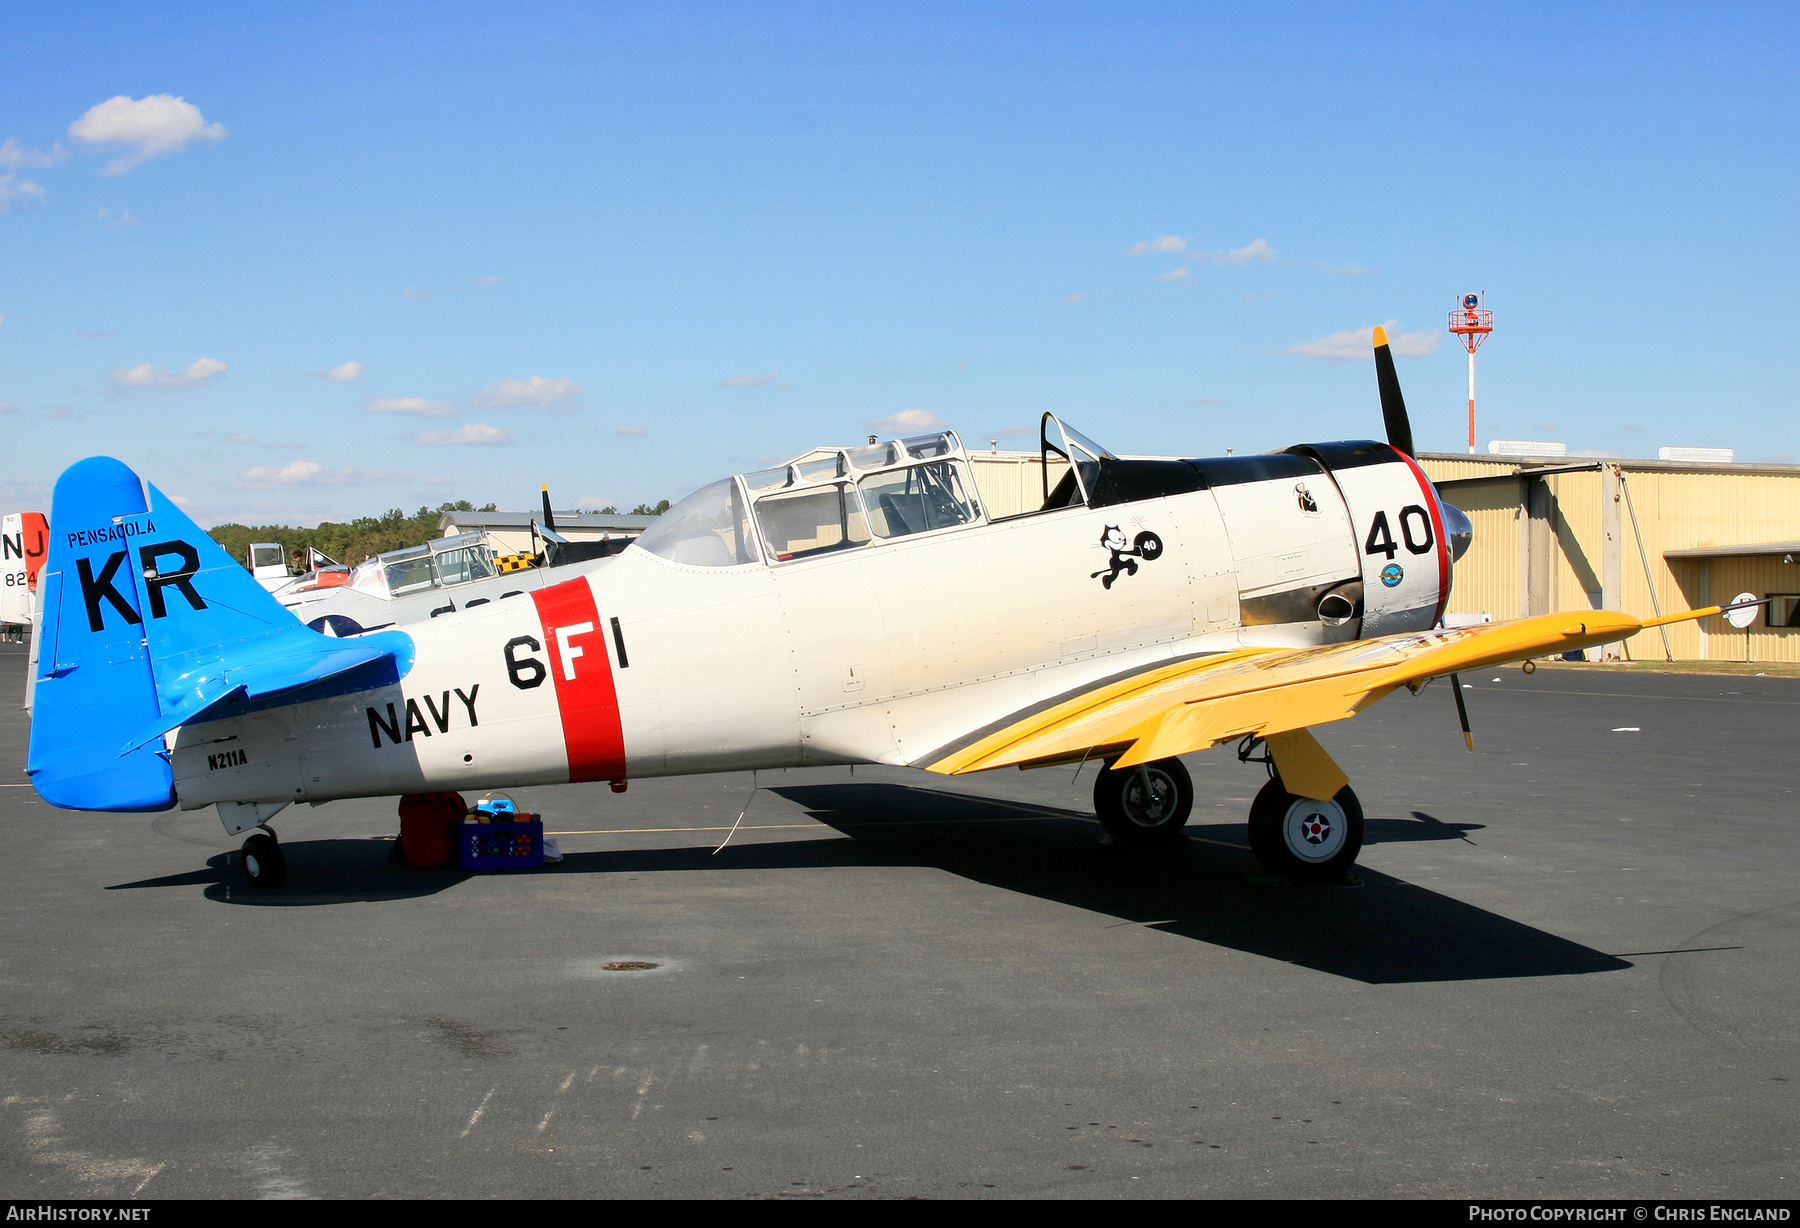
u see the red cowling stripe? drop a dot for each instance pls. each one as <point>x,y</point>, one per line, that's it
<point>1437,531</point>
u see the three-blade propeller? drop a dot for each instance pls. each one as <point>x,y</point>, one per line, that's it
<point>1393,405</point>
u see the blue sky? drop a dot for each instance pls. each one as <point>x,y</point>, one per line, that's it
<point>627,249</point>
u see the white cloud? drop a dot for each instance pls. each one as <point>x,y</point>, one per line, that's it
<point>533,393</point>
<point>1355,343</point>
<point>2,319</point>
<point>417,406</point>
<point>411,293</point>
<point>240,439</point>
<point>153,375</point>
<point>14,191</point>
<point>1080,296</point>
<point>155,126</point>
<point>1180,274</point>
<point>474,433</point>
<point>311,473</point>
<point>628,429</point>
<point>97,334</point>
<point>492,279</point>
<point>14,155</point>
<point>116,219</point>
<point>907,422</point>
<point>7,407</point>
<point>1257,250</point>
<point>593,503</point>
<point>752,380</point>
<point>343,374</point>
<point>1264,297</point>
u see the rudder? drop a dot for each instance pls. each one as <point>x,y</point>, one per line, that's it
<point>94,686</point>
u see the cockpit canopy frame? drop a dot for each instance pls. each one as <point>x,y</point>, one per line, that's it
<point>823,501</point>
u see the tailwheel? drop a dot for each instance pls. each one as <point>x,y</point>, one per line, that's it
<point>265,865</point>
<point>1146,804</point>
<point>1302,839</point>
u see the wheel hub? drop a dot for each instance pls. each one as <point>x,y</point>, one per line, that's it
<point>1315,830</point>
<point>1149,806</point>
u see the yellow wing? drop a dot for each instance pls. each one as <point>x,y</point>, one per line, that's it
<point>1276,693</point>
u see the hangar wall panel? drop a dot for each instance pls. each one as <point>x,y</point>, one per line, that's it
<point>1678,507</point>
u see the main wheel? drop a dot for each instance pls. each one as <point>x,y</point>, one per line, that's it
<point>1302,839</point>
<point>265,865</point>
<point>1147,804</point>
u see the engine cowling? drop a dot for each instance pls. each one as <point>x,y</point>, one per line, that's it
<point>1399,529</point>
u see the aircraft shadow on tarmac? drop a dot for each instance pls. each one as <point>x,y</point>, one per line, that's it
<point>1390,931</point>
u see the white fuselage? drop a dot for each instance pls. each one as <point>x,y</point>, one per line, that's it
<point>885,652</point>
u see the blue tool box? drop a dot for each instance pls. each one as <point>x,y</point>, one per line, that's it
<point>502,846</point>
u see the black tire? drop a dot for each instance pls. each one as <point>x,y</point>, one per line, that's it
<point>265,865</point>
<point>1132,818</point>
<point>1302,840</point>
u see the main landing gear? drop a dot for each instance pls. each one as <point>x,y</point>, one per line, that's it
<point>265,865</point>
<point>1144,805</point>
<point>1302,839</point>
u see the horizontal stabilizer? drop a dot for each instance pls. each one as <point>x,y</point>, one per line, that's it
<point>263,676</point>
<point>218,640</point>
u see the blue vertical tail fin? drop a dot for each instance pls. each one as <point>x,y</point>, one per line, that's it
<point>94,686</point>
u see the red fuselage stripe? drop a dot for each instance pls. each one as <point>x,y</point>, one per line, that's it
<point>1437,531</point>
<point>575,640</point>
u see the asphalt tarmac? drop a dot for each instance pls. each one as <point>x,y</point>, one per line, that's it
<point>1572,970</point>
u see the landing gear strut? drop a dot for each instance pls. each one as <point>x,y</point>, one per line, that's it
<point>1146,804</point>
<point>1302,839</point>
<point>265,865</point>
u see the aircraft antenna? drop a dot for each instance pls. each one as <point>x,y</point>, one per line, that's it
<point>1472,322</point>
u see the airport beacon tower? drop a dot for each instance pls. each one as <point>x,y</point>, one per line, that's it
<point>1471,322</point>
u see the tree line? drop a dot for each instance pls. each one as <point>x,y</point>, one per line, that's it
<point>347,543</point>
<point>366,535</point>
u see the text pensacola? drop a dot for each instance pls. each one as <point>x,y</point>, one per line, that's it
<point>1682,1214</point>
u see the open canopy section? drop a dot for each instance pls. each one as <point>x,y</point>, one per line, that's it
<point>1066,450</point>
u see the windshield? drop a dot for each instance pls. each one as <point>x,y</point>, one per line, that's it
<point>706,529</point>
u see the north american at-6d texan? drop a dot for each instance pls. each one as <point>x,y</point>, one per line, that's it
<point>858,606</point>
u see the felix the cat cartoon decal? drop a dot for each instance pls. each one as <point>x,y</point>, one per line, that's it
<point>1146,546</point>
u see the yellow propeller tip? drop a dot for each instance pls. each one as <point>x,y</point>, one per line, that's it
<point>1380,336</point>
